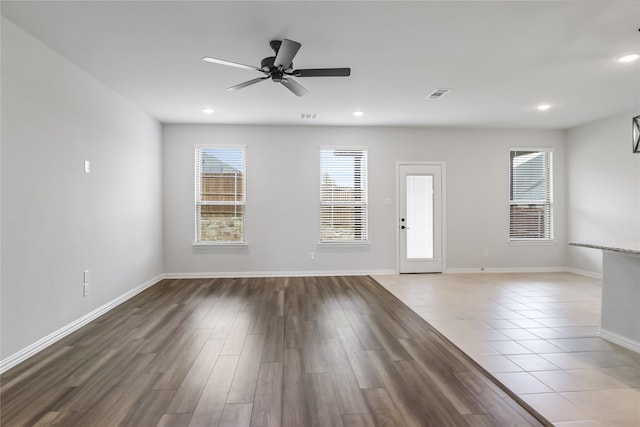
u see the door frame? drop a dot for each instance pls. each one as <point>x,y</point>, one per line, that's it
<point>443,213</point>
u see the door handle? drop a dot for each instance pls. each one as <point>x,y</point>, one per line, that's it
<point>404,227</point>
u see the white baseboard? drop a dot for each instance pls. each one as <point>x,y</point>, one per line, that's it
<point>620,340</point>
<point>585,273</point>
<point>243,274</point>
<point>506,270</point>
<point>55,336</point>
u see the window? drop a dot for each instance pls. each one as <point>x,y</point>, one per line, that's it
<point>531,198</point>
<point>220,194</point>
<point>343,195</point>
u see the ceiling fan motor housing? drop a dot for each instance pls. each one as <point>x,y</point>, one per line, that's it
<point>268,68</point>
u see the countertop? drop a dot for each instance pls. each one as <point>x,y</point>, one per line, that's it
<point>622,247</point>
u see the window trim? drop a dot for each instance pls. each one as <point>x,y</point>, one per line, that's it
<point>365,204</point>
<point>520,241</point>
<point>197,202</point>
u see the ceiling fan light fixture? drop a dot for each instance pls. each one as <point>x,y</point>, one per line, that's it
<point>628,58</point>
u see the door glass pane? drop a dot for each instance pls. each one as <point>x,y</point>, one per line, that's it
<point>419,216</point>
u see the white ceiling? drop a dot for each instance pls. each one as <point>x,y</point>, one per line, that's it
<point>500,59</point>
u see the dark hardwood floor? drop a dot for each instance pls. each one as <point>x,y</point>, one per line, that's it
<point>311,351</point>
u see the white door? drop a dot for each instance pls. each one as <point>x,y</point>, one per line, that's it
<point>420,217</point>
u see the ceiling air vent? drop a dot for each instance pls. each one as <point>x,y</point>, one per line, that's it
<point>438,93</point>
<point>308,116</point>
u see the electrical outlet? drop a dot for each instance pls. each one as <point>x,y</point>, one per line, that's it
<point>85,290</point>
<point>312,255</point>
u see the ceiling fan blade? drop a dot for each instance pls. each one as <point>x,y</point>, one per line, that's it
<point>286,52</point>
<point>322,72</point>
<point>229,63</point>
<point>247,83</point>
<point>294,87</point>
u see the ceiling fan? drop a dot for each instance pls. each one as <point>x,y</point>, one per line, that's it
<point>279,68</point>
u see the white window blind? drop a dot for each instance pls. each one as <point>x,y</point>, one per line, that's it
<point>531,195</point>
<point>220,182</point>
<point>343,195</point>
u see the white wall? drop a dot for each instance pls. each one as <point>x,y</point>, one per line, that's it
<point>282,193</point>
<point>57,220</point>
<point>603,177</point>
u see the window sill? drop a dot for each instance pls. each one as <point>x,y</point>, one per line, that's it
<point>327,244</point>
<point>220,244</point>
<point>532,243</point>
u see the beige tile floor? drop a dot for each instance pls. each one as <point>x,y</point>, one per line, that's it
<point>538,335</point>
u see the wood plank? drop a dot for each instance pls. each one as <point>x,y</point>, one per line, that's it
<point>236,415</point>
<point>64,418</point>
<point>426,399</point>
<point>226,321</point>
<point>445,381</point>
<point>388,342</point>
<point>174,420</point>
<point>116,375</point>
<point>273,340</point>
<point>292,330</point>
<point>28,371</point>
<point>267,406</point>
<point>363,330</point>
<point>358,359</point>
<point>185,342</point>
<point>212,401</point>
<point>314,359</point>
<point>260,315</point>
<point>382,408</point>
<point>244,382</point>
<point>293,389</point>
<point>321,401</point>
<point>188,394</point>
<point>149,409</point>
<point>87,369</point>
<point>116,405</point>
<point>237,334</point>
<point>358,420</point>
<point>404,400</point>
<point>348,393</point>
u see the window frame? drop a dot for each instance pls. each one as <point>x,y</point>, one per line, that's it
<point>363,203</point>
<point>547,203</point>
<point>198,203</point>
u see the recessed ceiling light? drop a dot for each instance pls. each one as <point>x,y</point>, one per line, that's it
<point>207,110</point>
<point>358,113</point>
<point>543,107</point>
<point>629,58</point>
